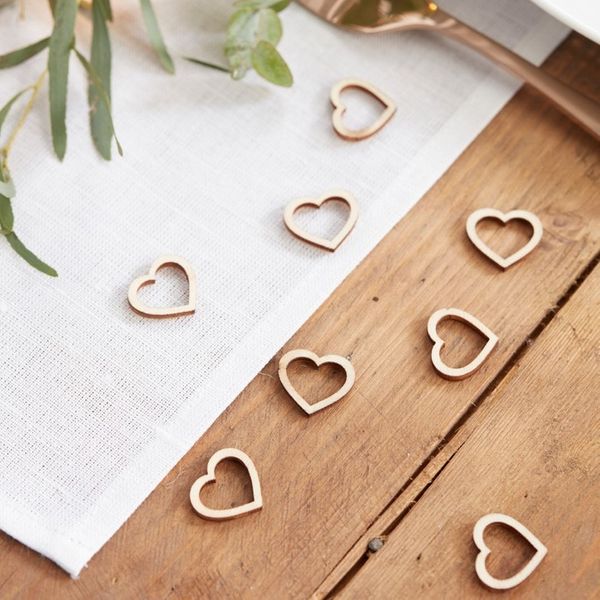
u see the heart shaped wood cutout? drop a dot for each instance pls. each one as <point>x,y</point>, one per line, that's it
<point>484,551</point>
<point>492,213</point>
<point>308,408</point>
<point>459,315</point>
<point>340,109</point>
<point>168,311</point>
<point>332,244</point>
<point>222,514</point>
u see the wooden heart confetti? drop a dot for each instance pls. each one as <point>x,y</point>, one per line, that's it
<point>222,514</point>
<point>328,244</point>
<point>480,566</point>
<point>340,109</point>
<point>438,343</point>
<point>523,215</point>
<point>308,408</point>
<point>170,311</point>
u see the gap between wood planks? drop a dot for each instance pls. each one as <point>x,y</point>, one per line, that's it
<point>433,466</point>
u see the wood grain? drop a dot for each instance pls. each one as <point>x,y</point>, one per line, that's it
<point>534,457</point>
<point>328,478</point>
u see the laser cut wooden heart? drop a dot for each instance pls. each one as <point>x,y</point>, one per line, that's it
<point>454,373</point>
<point>522,215</point>
<point>340,108</point>
<point>332,244</point>
<point>308,408</point>
<point>484,552</point>
<point>169,311</point>
<point>221,514</point>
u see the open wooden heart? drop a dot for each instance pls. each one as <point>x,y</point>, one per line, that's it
<point>484,551</point>
<point>168,311</point>
<point>459,315</point>
<point>222,514</point>
<point>523,215</point>
<point>308,408</point>
<point>332,244</point>
<point>340,109</point>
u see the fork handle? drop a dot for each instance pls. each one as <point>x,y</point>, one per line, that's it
<point>578,107</point>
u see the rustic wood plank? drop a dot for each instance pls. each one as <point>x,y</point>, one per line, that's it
<point>328,477</point>
<point>535,457</point>
<point>376,535</point>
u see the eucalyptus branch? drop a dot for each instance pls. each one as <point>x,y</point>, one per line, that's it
<point>253,32</point>
<point>7,186</point>
<point>35,90</point>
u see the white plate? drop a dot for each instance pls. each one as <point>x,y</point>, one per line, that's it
<point>582,15</point>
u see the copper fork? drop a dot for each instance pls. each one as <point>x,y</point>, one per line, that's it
<point>375,16</point>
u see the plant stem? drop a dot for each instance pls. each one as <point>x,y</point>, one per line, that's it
<point>35,90</point>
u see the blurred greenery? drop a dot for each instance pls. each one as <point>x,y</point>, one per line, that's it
<point>253,32</point>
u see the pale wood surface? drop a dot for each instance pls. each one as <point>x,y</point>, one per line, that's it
<point>534,456</point>
<point>336,479</point>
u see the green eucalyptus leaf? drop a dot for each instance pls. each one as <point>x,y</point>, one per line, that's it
<point>247,27</point>
<point>6,108</point>
<point>18,246</point>
<point>60,46</point>
<point>279,5</point>
<point>204,63</point>
<point>100,60</point>
<point>276,5</point>
<point>268,26</point>
<point>156,38</point>
<point>268,63</point>
<point>106,9</point>
<point>240,61</point>
<point>7,189</point>
<point>7,218</point>
<point>18,56</point>
<point>240,29</point>
<point>251,4</point>
<point>252,23</point>
<point>7,221</point>
<point>239,42</point>
<point>102,95</point>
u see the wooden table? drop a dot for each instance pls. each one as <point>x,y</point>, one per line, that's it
<point>376,496</point>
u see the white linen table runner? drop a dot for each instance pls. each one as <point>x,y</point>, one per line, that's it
<point>97,404</point>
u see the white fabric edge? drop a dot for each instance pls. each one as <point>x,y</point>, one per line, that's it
<point>24,528</point>
<point>473,116</point>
